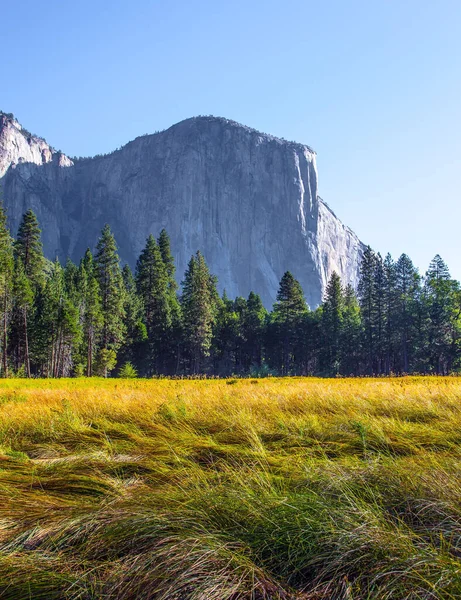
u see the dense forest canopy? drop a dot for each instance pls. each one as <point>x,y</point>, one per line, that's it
<point>97,318</point>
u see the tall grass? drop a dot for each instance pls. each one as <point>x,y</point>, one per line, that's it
<point>266,489</point>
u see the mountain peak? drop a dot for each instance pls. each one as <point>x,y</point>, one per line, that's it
<point>211,120</point>
<point>18,145</point>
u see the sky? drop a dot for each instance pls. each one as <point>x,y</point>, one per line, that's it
<point>373,86</point>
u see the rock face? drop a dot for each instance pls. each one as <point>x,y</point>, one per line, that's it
<point>247,200</point>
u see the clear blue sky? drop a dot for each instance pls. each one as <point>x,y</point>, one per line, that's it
<point>373,86</point>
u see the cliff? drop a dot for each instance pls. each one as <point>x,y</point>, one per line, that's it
<point>247,200</point>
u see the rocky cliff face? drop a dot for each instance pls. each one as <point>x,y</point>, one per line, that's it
<point>247,200</point>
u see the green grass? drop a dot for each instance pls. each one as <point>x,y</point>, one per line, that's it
<point>285,489</point>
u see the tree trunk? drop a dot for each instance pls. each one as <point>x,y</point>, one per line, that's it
<point>89,356</point>
<point>5,338</point>
<point>26,344</point>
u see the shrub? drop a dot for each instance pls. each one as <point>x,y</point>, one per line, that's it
<point>128,371</point>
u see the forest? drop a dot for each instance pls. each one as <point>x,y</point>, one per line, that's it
<point>97,318</point>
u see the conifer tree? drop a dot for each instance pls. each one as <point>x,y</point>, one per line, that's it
<point>153,288</point>
<point>351,333</point>
<point>107,266</point>
<point>28,249</point>
<point>56,330</point>
<point>171,352</point>
<point>23,300</point>
<point>390,314</point>
<point>136,332</point>
<point>168,260</point>
<point>366,293</point>
<point>379,302</point>
<point>288,312</point>
<point>199,302</point>
<point>443,301</point>
<point>227,335</point>
<point>71,282</point>
<point>91,312</point>
<point>254,320</point>
<point>6,285</point>
<point>332,324</point>
<point>407,285</point>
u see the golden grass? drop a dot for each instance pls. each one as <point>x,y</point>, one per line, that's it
<point>272,488</point>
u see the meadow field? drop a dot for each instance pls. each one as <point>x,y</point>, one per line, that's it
<point>230,489</point>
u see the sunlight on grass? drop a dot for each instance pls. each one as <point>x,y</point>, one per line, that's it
<point>264,489</point>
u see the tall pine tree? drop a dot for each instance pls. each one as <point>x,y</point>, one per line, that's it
<point>6,286</point>
<point>199,303</point>
<point>332,325</point>
<point>287,316</point>
<point>109,275</point>
<point>152,283</point>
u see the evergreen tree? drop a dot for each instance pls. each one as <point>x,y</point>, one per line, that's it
<point>6,285</point>
<point>332,325</point>
<point>366,293</point>
<point>153,288</point>
<point>93,321</point>
<point>90,312</point>
<point>390,304</point>
<point>23,300</point>
<point>136,332</point>
<point>71,282</point>
<point>443,302</point>
<point>168,260</point>
<point>407,285</point>
<point>288,313</point>
<point>199,302</point>
<point>107,266</point>
<point>351,333</point>
<point>28,249</point>
<point>253,329</point>
<point>171,353</point>
<point>379,316</point>
<point>56,329</point>
<point>228,335</point>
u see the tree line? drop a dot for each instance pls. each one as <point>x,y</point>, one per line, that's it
<point>97,318</point>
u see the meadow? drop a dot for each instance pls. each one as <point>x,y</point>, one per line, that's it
<point>258,489</point>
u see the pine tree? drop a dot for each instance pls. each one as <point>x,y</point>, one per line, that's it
<point>93,321</point>
<point>254,321</point>
<point>332,325</point>
<point>44,328</point>
<point>379,302</point>
<point>227,335</point>
<point>288,312</point>
<point>407,285</point>
<point>136,331</point>
<point>111,286</point>
<point>390,302</point>
<point>56,329</point>
<point>71,281</point>
<point>23,300</point>
<point>90,311</point>
<point>28,249</point>
<point>351,333</point>
<point>366,293</point>
<point>199,302</point>
<point>6,285</point>
<point>153,288</point>
<point>168,260</point>
<point>171,349</point>
<point>442,295</point>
